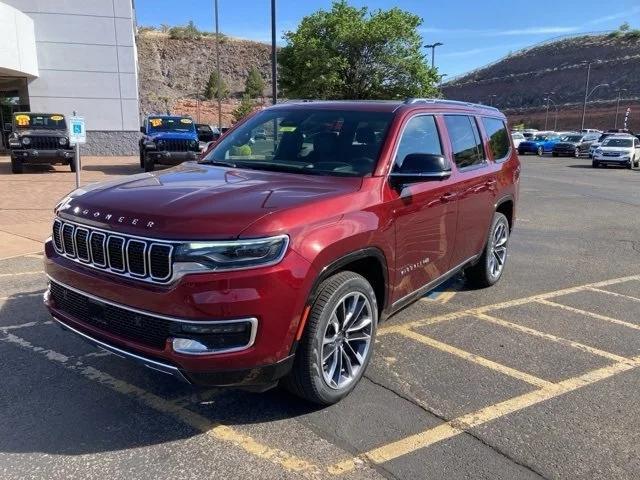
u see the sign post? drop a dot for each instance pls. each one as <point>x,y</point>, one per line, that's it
<point>77,135</point>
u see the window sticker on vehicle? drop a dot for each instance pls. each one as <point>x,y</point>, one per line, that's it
<point>23,120</point>
<point>288,129</point>
<point>188,121</point>
<point>155,122</point>
<point>57,118</point>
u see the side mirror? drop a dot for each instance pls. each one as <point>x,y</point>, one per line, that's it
<point>142,130</point>
<point>421,167</point>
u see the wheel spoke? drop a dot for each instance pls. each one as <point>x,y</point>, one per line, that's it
<point>338,371</point>
<point>355,355</point>
<point>332,369</point>
<point>358,307</point>
<point>346,361</point>
<point>326,357</point>
<point>363,323</point>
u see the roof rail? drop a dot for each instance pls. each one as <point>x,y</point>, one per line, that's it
<point>410,101</point>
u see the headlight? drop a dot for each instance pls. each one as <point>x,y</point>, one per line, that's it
<point>232,255</point>
<point>149,145</point>
<point>160,143</point>
<point>14,142</point>
<point>598,151</point>
<point>63,141</point>
<point>26,141</point>
<point>193,144</point>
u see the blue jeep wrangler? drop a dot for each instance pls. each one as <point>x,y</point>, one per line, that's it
<point>168,140</point>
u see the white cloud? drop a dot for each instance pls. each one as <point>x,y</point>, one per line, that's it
<point>614,16</point>
<point>503,33</point>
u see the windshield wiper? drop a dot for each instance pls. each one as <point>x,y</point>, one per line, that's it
<point>219,163</point>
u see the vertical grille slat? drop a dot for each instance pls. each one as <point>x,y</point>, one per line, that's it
<point>133,257</point>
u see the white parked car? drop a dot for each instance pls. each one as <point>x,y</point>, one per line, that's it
<point>518,138</point>
<point>621,150</point>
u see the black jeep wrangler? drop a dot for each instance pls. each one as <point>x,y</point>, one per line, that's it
<point>39,138</point>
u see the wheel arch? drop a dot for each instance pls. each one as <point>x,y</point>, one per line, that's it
<point>506,206</point>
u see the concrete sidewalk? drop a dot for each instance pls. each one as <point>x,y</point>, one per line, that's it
<point>27,200</point>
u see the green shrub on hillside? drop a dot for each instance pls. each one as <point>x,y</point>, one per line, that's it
<point>254,86</point>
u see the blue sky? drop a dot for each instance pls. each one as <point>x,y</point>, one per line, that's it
<point>474,32</point>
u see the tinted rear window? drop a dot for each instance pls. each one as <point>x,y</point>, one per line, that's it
<point>465,140</point>
<point>498,137</point>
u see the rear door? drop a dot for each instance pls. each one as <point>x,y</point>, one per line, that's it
<point>425,213</point>
<point>476,186</point>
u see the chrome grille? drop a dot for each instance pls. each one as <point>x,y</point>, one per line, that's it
<point>133,257</point>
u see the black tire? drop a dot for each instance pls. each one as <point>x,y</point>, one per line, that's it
<point>480,275</point>
<point>72,164</point>
<point>306,378</point>
<point>16,166</point>
<point>149,164</point>
<point>555,154</point>
<point>521,153</point>
<point>141,158</point>
<point>595,164</point>
<point>576,153</point>
<point>540,151</point>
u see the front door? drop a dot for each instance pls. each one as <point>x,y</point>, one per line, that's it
<point>425,214</point>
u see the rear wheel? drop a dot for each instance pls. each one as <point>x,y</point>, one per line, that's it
<point>149,164</point>
<point>490,267</point>
<point>16,166</point>
<point>555,154</point>
<point>338,341</point>
<point>595,164</point>
<point>540,151</point>
<point>72,165</point>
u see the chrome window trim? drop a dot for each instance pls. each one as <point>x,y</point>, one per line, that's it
<point>144,258</point>
<point>104,249</point>
<point>253,321</point>
<point>166,277</point>
<point>75,241</point>
<point>124,260</point>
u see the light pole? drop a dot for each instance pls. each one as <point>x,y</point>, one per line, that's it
<point>586,94</point>
<point>491,97</point>
<point>274,55</point>
<point>555,122</point>
<point>548,99</point>
<point>587,97</point>
<point>433,52</point>
<point>219,86</point>
<point>620,90</point>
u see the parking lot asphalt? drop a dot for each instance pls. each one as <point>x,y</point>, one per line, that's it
<point>536,377</point>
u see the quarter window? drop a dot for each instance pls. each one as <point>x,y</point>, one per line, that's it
<point>465,140</point>
<point>498,137</point>
<point>419,136</point>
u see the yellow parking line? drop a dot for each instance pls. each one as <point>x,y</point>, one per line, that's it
<point>444,297</point>
<point>387,329</point>
<point>614,294</point>
<point>553,338</point>
<point>485,362</point>
<point>586,313</point>
<point>24,325</point>
<point>16,274</point>
<point>459,425</point>
<point>217,431</point>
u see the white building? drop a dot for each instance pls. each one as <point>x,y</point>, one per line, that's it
<point>63,55</point>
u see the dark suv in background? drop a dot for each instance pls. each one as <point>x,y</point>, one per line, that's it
<point>276,260</point>
<point>39,138</point>
<point>168,140</point>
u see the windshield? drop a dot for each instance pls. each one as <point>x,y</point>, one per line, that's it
<point>572,138</point>
<point>539,138</point>
<point>618,142</point>
<point>49,121</point>
<point>170,124</point>
<point>313,141</point>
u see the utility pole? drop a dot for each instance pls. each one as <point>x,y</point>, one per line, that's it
<point>274,55</point>
<point>620,90</point>
<point>433,52</point>
<point>491,98</point>
<point>219,87</point>
<point>586,95</point>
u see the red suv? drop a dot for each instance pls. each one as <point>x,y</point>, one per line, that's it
<point>275,257</point>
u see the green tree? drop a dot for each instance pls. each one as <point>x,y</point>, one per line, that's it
<point>254,85</point>
<point>351,53</point>
<point>188,31</point>
<point>211,89</point>
<point>625,27</point>
<point>245,108</point>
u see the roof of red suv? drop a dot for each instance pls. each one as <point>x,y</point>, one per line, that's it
<point>387,105</point>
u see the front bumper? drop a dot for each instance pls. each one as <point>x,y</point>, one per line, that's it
<point>31,155</point>
<point>611,160</point>
<point>172,158</point>
<point>275,296</point>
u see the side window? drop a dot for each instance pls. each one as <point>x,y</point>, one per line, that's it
<point>465,140</point>
<point>498,137</point>
<point>420,135</point>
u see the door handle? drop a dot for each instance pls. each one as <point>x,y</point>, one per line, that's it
<point>491,183</point>
<point>448,197</point>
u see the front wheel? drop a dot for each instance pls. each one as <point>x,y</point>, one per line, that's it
<point>16,166</point>
<point>540,151</point>
<point>72,165</point>
<point>595,164</point>
<point>141,158</point>
<point>491,264</point>
<point>336,347</point>
<point>576,153</point>
<point>149,164</point>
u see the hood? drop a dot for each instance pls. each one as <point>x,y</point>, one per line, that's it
<point>615,149</point>
<point>43,132</point>
<point>567,144</point>
<point>173,135</point>
<point>195,201</point>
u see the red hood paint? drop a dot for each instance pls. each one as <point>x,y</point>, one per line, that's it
<point>196,201</point>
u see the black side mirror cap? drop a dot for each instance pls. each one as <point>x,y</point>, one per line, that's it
<point>143,130</point>
<point>421,167</point>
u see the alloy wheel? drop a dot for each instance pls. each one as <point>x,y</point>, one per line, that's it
<point>498,249</point>
<point>540,151</point>
<point>346,340</point>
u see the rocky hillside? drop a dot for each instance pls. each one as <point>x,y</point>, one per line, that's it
<point>518,82</point>
<point>173,73</point>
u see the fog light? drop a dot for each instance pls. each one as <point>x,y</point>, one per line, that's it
<point>189,346</point>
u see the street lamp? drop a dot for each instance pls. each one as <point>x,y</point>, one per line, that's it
<point>620,90</point>
<point>555,123</point>
<point>491,98</point>
<point>433,52</point>
<point>588,94</point>
<point>548,99</point>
